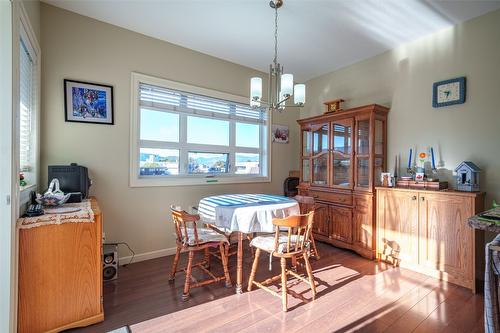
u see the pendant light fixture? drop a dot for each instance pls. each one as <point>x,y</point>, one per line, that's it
<point>281,86</point>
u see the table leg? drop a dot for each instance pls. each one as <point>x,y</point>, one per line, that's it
<point>239,265</point>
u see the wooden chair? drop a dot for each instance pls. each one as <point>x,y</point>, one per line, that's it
<point>308,204</point>
<point>190,238</point>
<point>290,245</point>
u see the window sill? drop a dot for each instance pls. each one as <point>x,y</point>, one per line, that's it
<point>24,193</point>
<point>194,181</point>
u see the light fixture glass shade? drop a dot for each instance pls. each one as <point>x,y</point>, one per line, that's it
<point>255,89</point>
<point>299,94</point>
<point>254,104</point>
<point>286,85</point>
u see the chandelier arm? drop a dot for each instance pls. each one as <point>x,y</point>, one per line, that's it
<point>283,100</point>
<point>295,106</point>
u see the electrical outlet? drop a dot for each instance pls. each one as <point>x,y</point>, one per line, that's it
<point>103,236</point>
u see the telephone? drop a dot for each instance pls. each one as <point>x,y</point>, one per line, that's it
<point>34,210</point>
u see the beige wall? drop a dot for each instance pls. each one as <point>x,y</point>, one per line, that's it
<point>81,48</point>
<point>403,78</point>
<point>32,8</point>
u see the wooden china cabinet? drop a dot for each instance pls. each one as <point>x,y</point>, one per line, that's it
<point>342,156</point>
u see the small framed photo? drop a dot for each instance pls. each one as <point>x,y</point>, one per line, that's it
<point>86,102</point>
<point>419,176</point>
<point>448,92</point>
<point>386,179</point>
<point>280,133</point>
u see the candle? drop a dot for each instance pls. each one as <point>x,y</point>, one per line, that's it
<point>396,166</point>
<point>409,160</point>
<point>433,162</point>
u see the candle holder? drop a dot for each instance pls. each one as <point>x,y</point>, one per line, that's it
<point>433,176</point>
<point>411,172</point>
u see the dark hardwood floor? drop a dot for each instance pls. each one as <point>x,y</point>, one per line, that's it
<point>354,295</point>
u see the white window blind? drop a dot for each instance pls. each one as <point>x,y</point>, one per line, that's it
<point>184,102</point>
<point>26,109</point>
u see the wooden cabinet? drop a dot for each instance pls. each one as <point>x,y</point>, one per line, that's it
<point>341,224</point>
<point>321,224</point>
<point>427,231</point>
<point>60,276</point>
<point>397,241</point>
<point>363,224</point>
<point>342,156</point>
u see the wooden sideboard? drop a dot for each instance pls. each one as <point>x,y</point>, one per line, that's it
<point>342,156</point>
<point>60,276</point>
<point>427,231</point>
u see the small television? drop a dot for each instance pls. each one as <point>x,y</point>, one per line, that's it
<point>72,178</point>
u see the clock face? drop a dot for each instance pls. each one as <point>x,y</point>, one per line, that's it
<point>448,92</point>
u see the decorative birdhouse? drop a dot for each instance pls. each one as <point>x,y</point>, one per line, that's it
<point>468,177</point>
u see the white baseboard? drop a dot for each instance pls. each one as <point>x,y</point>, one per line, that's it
<point>147,255</point>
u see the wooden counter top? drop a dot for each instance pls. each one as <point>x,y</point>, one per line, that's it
<point>444,192</point>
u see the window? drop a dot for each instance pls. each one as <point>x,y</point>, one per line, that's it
<point>27,117</point>
<point>185,135</point>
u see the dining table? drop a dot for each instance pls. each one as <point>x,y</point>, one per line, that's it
<point>245,214</point>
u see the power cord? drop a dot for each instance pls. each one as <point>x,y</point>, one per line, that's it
<point>130,250</point>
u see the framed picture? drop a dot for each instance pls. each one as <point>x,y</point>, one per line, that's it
<point>448,92</point>
<point>280,133</point>
<point>386,179</point>
<point>86,102</point>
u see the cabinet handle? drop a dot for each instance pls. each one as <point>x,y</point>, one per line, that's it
<point>315,196</point>
<point>414,197</point>
<point>422,198</point>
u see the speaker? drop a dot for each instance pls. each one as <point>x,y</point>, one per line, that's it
<point>109,262</point>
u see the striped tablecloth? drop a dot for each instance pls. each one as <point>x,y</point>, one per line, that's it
<point>246,212</point>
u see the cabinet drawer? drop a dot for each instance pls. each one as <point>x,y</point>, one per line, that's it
<point>338,198</point>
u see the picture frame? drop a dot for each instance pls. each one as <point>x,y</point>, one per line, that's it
<point>419,176</point>
<point>386,179</point>
<point>280,133</point>
<point>449,92</point>
<point>87,102</point>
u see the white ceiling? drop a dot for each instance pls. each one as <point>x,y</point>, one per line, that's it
<point>315,36</point>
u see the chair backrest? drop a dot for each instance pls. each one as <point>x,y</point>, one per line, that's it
<point>181,219</point>
<point>290,186</point>
<point>306,204</point>
<point>298,231</point>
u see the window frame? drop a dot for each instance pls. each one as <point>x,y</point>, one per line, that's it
<point>136,180</point>
<point>26,33</point>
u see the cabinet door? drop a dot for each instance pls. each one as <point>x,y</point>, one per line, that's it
<point>341,224</point>
<point>363,226</point>
<point>321,220</point>
<point>446,241</point>
<point>379,151</point>
<point>362,160</point>
<point>305,167</point>
<point>397,226</point>
<point>342,152</point>
<point>320,147</point>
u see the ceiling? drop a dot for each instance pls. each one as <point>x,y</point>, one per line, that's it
<point>315,36</point>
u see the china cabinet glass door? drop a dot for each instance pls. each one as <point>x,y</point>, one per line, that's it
<point>342,137</point>
<point>379,151</point>
<point>306,155</point>
<point>319,159</point>
<point>362,152</point>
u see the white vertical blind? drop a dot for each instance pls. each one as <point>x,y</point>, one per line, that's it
<point>26,109</point>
